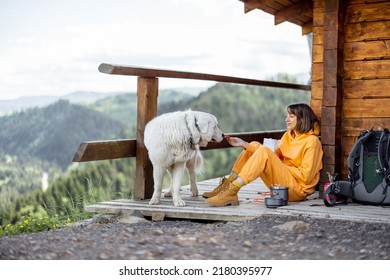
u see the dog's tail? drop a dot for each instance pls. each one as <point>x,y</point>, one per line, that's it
<point>199,166</point>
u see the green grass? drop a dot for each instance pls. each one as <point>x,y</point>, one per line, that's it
<point>32,223</point>
<point>51,217</point>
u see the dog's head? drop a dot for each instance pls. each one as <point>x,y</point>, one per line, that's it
<point>206,129</point>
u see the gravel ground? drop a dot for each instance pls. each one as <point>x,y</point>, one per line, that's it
<point>269,237</point>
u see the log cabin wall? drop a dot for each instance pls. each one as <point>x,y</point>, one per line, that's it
<point>317,75</point>
<point>327,80</point>
<point>366,70</point>
<point>356,96</point>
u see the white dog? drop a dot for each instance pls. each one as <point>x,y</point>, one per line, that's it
<point>173,141</point>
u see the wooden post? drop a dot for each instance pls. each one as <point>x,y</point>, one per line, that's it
<point>147,92</point>
<point>332,101</point>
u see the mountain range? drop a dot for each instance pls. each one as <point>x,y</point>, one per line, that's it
<point>9,106</point>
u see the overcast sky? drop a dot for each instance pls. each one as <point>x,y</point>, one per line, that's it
<point>54,47</point>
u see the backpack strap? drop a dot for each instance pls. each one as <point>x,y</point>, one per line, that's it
<point>355,153</point>
<point>383,151</point>
<point>384,158</point>
<point>337,192</point>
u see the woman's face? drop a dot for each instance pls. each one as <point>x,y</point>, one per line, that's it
<point>291,121</point>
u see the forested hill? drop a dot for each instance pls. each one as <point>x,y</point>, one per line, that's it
<point>238,108</point>
<point>245,108</point>
<point>53,133</point>
<point>123,107</point>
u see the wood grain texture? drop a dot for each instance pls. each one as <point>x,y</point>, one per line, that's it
<point>116,149</point>
<point>160,73</point>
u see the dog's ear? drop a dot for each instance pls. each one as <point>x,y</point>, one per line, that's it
<point>202,124</point>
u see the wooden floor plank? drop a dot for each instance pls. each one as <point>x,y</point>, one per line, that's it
<point>250,208</point>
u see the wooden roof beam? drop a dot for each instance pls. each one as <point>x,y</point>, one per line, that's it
<point>250,5</point>
<point>307,27</point>
<point>290,13</point>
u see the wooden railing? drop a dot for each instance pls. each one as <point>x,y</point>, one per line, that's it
<point>147,92</point>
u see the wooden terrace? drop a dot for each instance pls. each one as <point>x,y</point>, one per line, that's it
<point>350,78</point>
<point>251,207</point>
<point>251,196</point>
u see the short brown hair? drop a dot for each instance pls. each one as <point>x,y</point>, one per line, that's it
<point>306,118</point>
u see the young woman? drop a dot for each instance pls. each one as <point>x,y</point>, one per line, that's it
<point>296,162</point>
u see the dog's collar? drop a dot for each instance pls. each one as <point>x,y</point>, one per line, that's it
<point>192,144</point>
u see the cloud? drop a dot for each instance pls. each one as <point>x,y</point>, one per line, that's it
<point>213,36</point>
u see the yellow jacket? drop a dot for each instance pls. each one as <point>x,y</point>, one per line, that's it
<point>303,156</point>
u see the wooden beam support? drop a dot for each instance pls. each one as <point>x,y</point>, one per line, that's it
<point>332,101</point>
<point>147,92</point>
<point>250,5</point>
<point>307,27</point>
<point>290,13</point>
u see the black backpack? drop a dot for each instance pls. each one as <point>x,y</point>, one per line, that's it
<point>368,172</point>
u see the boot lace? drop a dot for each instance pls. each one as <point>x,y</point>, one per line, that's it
<point>223,184</point>
<point>225,189</point>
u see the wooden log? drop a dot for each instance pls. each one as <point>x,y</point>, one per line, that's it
<point>331,154</point>
<point>318,14</point>
<point>354,2</point>
<point>368,108</point>
<point>373,69</point>
<point>367,89</point>
<point>332,116</point>
<point>354,126</point>
<point>332,96</point>
<point>290,13</point>
<point>318,35</point>
<point>316,105</point>
<point>369,50</point>
<point>317,90</point>
<point>318,53</point>
<point>329,136</point>
<point>378,11</point>
<point>307,27</point>
<point>103,150</point>
<point>116,149</point>
<point>317,72</point>
<point>147,92</point>
<point>367,31</point>
<point>332,82</point>
<point>149,72</point>
<point>248,137</point>
<point>250,5</point>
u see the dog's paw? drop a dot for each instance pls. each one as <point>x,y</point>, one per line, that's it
<point>168,194</point>
<point>194,190</point>
<point>194,193</point>
<point>179,202</point>
<point>154,201</point>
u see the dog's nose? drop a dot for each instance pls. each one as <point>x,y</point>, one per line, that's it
<point>223,135</point>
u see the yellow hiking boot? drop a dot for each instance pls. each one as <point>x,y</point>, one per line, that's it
<point>226,197</point>
<point>223,184</point>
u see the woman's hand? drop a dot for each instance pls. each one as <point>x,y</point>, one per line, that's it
<point>236,142</point>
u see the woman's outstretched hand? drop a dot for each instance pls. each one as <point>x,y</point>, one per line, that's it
<point>236,142</point>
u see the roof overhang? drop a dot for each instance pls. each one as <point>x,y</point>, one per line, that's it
<point>299,12</point>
